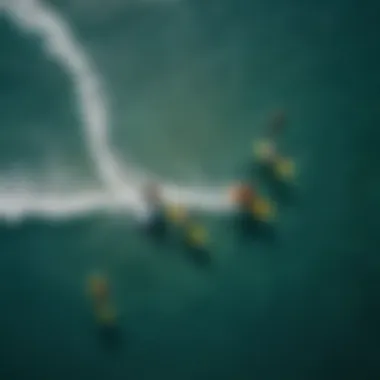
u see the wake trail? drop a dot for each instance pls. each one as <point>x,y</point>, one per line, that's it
<point>121,184</point>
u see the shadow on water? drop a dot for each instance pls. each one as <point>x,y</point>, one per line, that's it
<point>157,229</point>
<point>111,337</point>
<point>200,256</point>
<point>249,228</point>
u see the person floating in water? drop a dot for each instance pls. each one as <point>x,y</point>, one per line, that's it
<point>99,293</point>
<point>247,199</point>
<point>152,218</point>
<point>104,311</point>
<point>267,154</point>
<point>192,233</point>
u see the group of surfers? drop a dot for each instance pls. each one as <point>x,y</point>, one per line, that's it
<point>245,197</point>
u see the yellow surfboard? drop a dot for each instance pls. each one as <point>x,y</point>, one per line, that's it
<point>97,287</point>
<point>264,150</point>
<point>264,210</point>
<point>106,315</point>
<point>197,235</point>
<point>176,214</point>
<point>284,169</point>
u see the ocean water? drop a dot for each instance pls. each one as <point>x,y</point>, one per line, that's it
<point>183,88</point>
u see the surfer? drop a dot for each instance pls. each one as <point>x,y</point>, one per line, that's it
<point>152,217</point>
<point>195,238</point>
<point>249,201</point>
<point>266,150</point>
<point>177,215</point>
<point>243,195</point>
<point>98,291</point>
<point>194,235</point>
<point>104,310</point>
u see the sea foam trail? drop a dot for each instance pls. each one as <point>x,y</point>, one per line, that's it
<point>121,183</point>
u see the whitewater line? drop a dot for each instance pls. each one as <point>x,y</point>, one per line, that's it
<point>121,184</point>
<point>20,205</point>
<point>37,18</point>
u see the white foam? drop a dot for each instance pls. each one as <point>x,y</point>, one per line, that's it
<point>121,183</point>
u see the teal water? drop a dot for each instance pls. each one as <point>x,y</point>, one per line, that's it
<point>189,86</point>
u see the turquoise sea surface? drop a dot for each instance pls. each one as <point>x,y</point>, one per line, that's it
<point>189,86</point>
